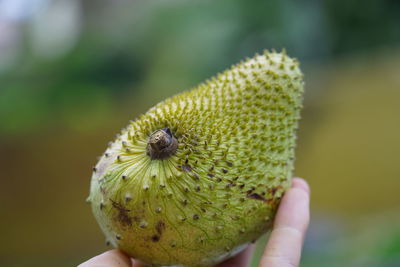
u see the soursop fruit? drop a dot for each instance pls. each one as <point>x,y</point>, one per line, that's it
<point>199,176</point>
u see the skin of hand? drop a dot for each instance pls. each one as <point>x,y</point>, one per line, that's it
<point>282,250</point>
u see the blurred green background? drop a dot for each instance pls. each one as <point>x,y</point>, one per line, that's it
<point>73,72</point>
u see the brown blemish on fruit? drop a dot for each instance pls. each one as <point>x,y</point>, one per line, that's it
<point>256,197</point>
<point>249,191</point>
<point>155,238</point>
<point>196,176</point>
<point>103,190</point>
<point>160,227</point>
<point>123,215</point>
<point>273,190</point>
<point>230,185</point>
<point>136,219</point>
<point>186,168</point>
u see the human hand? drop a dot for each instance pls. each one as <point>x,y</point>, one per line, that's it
<point>282,250</point>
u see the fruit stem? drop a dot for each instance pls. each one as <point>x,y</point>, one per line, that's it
<point>162,144</point>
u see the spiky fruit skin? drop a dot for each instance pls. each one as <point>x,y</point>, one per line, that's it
<point>220,189</point>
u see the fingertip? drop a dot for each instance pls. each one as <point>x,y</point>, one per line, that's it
<point>294,208</point>
<point>111,258</point>
<point>300,183</point>
<point>241,259</point>
<point>290,225</point>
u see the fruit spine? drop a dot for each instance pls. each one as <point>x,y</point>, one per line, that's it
<point>200,175</point>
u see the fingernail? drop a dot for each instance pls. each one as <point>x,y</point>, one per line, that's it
<point>300,183</point>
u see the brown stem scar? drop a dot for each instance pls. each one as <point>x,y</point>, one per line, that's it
<point>162,144</point>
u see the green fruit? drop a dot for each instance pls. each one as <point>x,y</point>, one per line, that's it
<point>200,175</point>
